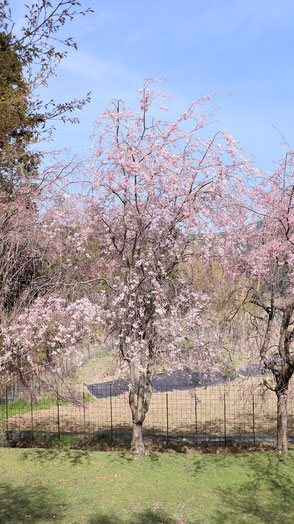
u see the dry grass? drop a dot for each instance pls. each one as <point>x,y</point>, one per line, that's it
<point>97,369</point>
<point>212,411</point>
<point>215,410</point>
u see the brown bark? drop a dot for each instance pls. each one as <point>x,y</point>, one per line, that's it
<point>139,401</point>
<point>283,371</point>
<point>136,399</point>
<point>282,423</point>
<point>283,377</point>
<point>137,444</point>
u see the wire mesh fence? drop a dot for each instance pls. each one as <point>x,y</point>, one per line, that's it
<point>219,412</point>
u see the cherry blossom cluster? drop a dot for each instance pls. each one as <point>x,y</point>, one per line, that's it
<point>158,187</point>
<point>46,334</point>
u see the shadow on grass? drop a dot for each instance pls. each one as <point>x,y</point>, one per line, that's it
<point>128,457</point>
<point>143,517</point>
<point>154,456</point>
<point>75,457</point>
<point>268,495</point>
<point>124,456</point>
<point>29,504</point>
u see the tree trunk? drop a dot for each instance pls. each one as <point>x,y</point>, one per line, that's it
<point>283,371</point>
<point>282,423</point>
<point>137,445</point>
<point>139,401</point>
<point>136,400</point>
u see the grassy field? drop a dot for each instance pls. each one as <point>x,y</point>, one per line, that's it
<point>78,487</point>
<point>21,405</point>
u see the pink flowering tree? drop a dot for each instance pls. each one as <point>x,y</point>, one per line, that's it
<point>39,341</point>
<point>260,251</point>
<point>19,255</point>
<point>156,189</point>
<point>44,322</point>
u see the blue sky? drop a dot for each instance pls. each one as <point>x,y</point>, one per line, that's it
<point>239,47</point>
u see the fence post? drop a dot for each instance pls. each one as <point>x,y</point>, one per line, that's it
<point>110,400</point>
<point>166,396</point>
<point>6,407</point>
<point>32,415</point>
<point>253,420</point>
<point>58,415</point>
<point>84,410</point>
<point>196,418</point>
<point>225,417</point>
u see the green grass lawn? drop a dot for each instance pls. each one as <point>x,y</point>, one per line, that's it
<point>48,485</point>
<point>21,405</point>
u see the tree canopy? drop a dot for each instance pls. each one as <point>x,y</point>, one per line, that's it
<point>27,62</point>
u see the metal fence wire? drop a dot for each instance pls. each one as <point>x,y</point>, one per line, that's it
<point>218,412</point>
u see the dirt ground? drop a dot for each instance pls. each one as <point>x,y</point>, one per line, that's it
<point>234,409</point>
